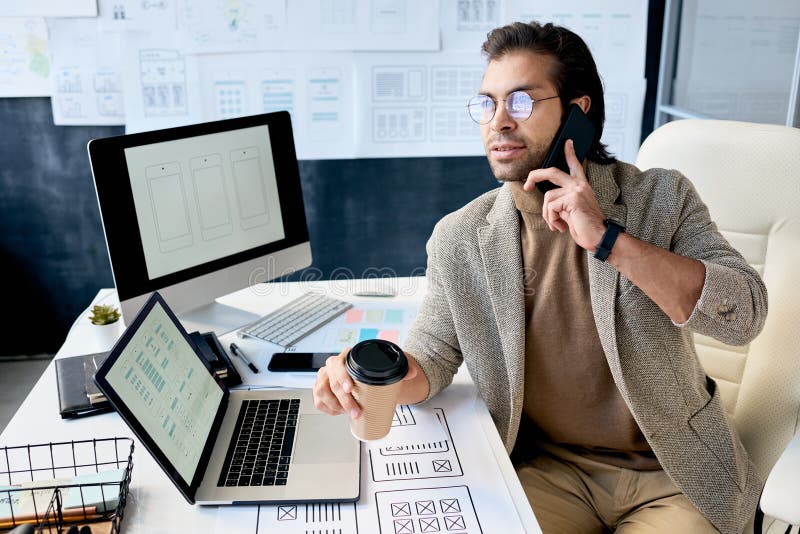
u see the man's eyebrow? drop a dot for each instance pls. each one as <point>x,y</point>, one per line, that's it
<point>520,88</point>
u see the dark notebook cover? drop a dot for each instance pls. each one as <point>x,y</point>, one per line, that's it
<point>75,379</point>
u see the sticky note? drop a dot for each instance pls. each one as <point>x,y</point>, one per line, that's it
<point>353,316</point>
<point>389,335</point>
<point>368,333</point>
<point>374,316</point>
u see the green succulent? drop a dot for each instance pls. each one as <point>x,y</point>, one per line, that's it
<point>104,314</point>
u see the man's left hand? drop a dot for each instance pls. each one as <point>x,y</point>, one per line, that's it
<point>573,205</point>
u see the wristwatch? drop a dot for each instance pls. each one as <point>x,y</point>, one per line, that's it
<point>613,229</point>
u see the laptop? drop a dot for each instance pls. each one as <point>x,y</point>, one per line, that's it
<point>221,446</point>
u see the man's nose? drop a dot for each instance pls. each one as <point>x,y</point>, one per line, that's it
<point>502,121</point>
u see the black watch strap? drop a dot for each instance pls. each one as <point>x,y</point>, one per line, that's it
<point>613,229</point>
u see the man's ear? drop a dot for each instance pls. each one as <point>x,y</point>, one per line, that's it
<point>583,101</point>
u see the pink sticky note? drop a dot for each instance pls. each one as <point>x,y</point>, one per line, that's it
<point>389,335</point>
<point>353,316</point>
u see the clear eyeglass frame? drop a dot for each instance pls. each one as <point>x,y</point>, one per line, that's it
<point>519,105</point>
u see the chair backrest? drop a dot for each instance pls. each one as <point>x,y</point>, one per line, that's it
<point>749,177</point>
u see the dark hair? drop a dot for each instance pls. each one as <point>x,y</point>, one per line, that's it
<point>574,71</point>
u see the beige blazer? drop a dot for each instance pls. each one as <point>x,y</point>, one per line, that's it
<point>474,312</point>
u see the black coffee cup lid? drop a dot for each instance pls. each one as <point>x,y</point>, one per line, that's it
<point>377,362</point>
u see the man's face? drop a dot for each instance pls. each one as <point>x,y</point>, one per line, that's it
<point>516,148</point>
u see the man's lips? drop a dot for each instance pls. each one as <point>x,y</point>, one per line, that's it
<point>507,150</point>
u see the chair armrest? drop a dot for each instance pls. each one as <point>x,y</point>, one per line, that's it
<point>782,490</point>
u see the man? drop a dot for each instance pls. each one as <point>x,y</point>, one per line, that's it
<point>584,358</point>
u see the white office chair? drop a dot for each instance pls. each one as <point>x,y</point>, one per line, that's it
<point>749,177</point>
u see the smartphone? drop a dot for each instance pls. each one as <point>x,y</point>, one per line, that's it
<point>576,126</point>
<point>298,362</point>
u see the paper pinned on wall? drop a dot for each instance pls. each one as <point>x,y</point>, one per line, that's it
<point>87,78</point>
<point>122,15</point>
<point>370,25</point>
<point>161,83</point>
<point>50,8</point>
<point>465,23</point>
<point>414,104</point>
<point>24,57</point>
<point>240,26</point>
<point>315,88</point>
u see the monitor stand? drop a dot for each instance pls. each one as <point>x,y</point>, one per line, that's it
<point>216,317</point>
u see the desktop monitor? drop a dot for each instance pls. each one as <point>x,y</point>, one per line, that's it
<point>197,212</point>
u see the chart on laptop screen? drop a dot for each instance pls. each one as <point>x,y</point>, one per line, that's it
<point>169,391</point>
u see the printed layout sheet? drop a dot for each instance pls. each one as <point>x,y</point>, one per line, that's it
<point>315,88</point>
<point>415,104</point>
<point>440,475</point>
<point>87,76</point>
<point>719,41</point>
<point>25,67</point>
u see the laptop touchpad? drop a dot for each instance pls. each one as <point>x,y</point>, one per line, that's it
<point>324,439</point>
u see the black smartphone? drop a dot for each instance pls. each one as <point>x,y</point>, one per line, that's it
<point>576,126</point>
<point>298,362</point>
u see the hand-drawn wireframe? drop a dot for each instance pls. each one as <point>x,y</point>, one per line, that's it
<point>170,210</point>
<point>403,415</point>
<point>248,178</point>
<point>443,509</point>
<point>417,460</point>
<point>230,98</point>
<point>211,197</point>
<point>310,518</point>
<point>163,78</point>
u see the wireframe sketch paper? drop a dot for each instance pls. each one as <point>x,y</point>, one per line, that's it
<point>24,57</point>
<point>87,75</point>
<point>454,486</point>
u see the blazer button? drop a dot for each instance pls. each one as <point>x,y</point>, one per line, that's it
<point>726,311</point>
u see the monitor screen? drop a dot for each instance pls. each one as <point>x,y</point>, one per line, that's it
<point>169,391</point>
<point>196,212</point>
<point>205,197</point>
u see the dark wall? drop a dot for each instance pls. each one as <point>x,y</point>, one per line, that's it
<point>362,214</point>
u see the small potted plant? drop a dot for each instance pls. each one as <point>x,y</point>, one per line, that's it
<point>106,317</point>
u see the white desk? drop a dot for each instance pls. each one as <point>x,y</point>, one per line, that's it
<point>155,505</point>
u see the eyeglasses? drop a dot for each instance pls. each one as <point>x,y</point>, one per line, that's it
<point>519,106</point>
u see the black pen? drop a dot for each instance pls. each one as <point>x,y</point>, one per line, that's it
<point>238,352</point>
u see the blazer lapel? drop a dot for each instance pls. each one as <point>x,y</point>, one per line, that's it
<point>499,243</point>
<point>603,278</point>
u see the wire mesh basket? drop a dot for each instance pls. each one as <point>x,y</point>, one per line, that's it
<point>56,485</point>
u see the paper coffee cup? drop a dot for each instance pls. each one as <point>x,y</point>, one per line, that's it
<point>377,368</point>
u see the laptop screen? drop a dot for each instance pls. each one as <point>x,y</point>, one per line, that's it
<point>168,390</point>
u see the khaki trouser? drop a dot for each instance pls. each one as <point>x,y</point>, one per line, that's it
<point>572,494</point>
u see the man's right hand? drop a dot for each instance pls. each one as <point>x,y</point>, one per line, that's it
<point>333,390</point>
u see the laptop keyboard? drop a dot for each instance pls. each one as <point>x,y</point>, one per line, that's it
<point>261,449</point>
